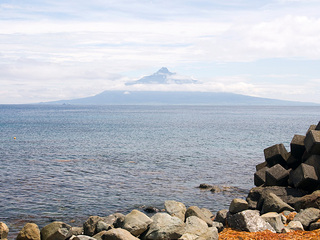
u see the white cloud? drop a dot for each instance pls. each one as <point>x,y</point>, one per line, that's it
<point>67,49</point>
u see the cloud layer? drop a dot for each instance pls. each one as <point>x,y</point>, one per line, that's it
<point>52,50</point>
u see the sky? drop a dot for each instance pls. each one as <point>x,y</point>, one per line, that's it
<point>53,50</point>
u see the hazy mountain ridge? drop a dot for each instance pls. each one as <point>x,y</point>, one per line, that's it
<point>176,98</point>
<point>165,77</point>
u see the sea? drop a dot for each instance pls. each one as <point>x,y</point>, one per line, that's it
<point>68,162</point>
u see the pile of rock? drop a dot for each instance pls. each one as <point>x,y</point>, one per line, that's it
<point>177,222</point>
<point>299,168</point>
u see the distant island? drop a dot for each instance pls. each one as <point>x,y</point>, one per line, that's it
<point>165,77</point>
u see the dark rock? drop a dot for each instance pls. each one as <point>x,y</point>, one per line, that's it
<point>287,194</point>
<point>261,165</point>
<point>221,216</point>
<point>314,161</point>
<point>312,142</point>
<point>297,146</point>
<point>307,216</point>
<point>89,226</point>
<point>195,211</point>
<point>238,205</point>
<point>308,201</point>
<point>314,226</point>
<point>293,162</point>
<point>312,127</point>
<point>216,189</point>
<point>248,220</point>
<point>260,177</point>
<point>276,154</point>
<point>119,220</point>
<point>205,186</point>
<point>277,176</point>
<point>304,177</point>
<point>150,209</point>
<point>273,203</point>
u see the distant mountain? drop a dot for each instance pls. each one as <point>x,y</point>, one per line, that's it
<point>176,98</point>
<point>163,76</point>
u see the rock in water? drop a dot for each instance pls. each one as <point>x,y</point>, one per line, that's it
<point>248,220</point>
<point>136,222</point>
<point>165,226</point>
<point>55,231</point>
<point>30,231</point>
<point>175,209</point>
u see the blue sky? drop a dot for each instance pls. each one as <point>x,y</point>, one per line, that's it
<point>51,50</point>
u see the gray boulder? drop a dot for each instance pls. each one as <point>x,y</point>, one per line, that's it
<point>30,231</point>
<point>175,209</point>
<point>295,225</point>
<point>275,220</point>
<point>75,231</point>
<point>119,218</point>
<point>136,222</point>
<point>272,203</point>
<point>198,229</point>
<point>102,226</point>
<point>89,226</point>
<point>248,220</point>
<point>165,226</point>
<point>307,216</point>
<point>207,213</point>
<point>195,211</point>
<point>118,234</point>
<point>238,205</point>
<point>195,227</point>
<point>55,231</point>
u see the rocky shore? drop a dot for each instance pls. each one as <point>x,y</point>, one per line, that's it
<point>286,199</point>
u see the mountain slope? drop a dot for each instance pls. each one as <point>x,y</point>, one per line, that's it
<point>163,76</point>
<point>175,98</point>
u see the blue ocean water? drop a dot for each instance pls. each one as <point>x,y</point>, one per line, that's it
<point>69,162</point>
